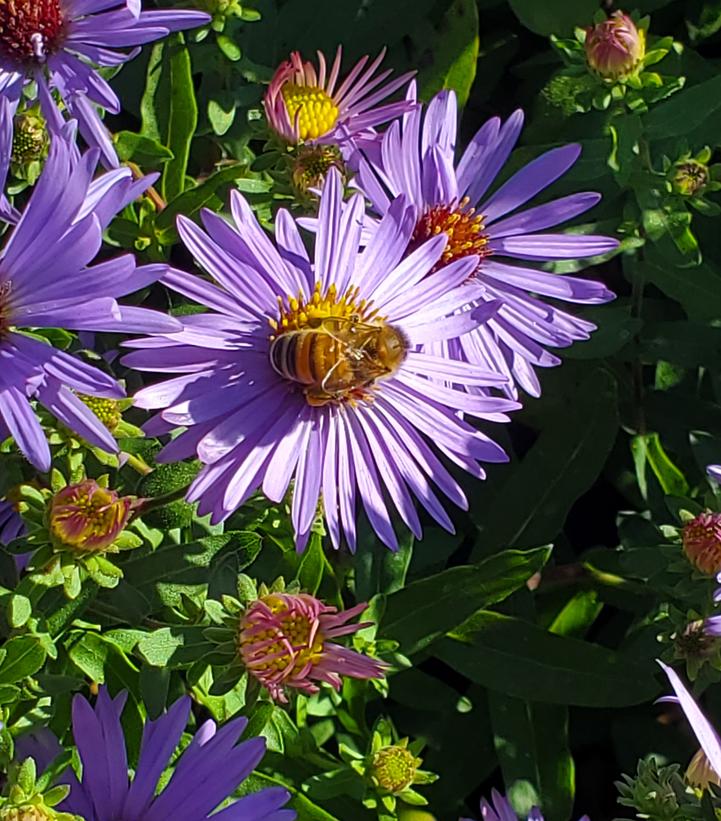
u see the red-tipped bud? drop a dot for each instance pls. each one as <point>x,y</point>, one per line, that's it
<point>615,47</point>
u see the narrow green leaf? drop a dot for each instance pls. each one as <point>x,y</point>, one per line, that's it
<point>523,660</point>
<point>426,609</point>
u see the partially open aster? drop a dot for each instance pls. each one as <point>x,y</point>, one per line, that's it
<point>305,104</point>
<point>499,809</point>
<point>45,278</point>
<point>209,770</point>
<point>61,44</point>
<point>416,158</point>
<point>312,371</point>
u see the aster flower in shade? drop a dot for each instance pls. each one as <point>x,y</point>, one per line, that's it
<point>313,372</point>
<point>706,764</point>
<point>501,810</point>
<point>46,282</point>
<point>60,44</point>
<point>615,47</point>
<point>714,471</point>
<point>284,641</point>
<point>209,770</point>
<point>416,159</point>
<point>305,104</point>
<point>701,538</point>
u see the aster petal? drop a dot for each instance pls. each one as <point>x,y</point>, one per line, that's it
<point>546,215</point>
<point>554,246</point>
<point>24,427</point>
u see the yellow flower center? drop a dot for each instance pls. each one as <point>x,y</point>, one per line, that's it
<point>465,230</point>
<point>30,139</point>
<point>313,110</point>
<point>334,348</point>
<point>291,645</point>
<point>28,813</point>
<point>105,409</point>
<point>394,768</point>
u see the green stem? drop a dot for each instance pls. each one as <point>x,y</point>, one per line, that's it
<point>138,464</point>
<point>142,506</point>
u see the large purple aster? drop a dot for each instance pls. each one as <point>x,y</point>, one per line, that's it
<point>209,770</point>
<point>312,370</point>
<point>416,159</point>
<point>60,44</point>
<point>46,281</point>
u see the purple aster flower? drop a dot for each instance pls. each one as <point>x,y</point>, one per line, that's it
<point>46,282</point>
<point>416,158</point>
<point>501,810</point>
<point>704,731</point>
<point>60,44</point>
<point>209,770</point>
<point>313,370</point>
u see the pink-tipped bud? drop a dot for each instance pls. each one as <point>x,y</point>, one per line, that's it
<point>88,517</point>
<point>615,47</point>
<point>702,542</point>
<point>284,641</point>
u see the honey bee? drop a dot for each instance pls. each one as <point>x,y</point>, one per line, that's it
<point>339,357</point>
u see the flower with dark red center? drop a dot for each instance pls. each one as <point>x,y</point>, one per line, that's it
<point>284,642</point>
<point>30,30</point>
<point>88,517</point>
<point>416,159</point>
<point>615,47</point>
<point>59,44</point>
<point>701,539</point>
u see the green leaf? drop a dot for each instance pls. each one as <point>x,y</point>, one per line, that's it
<point>19,610</point>
<point>23,656</point>
<point>450,51</point>
<point>685,343</point>
<point>523,660</point>
<point>312,565</point>
<point>173,646</point>
<point>531,506</point>
<point>90,654</point>
<point>554,16</point>
<point>647,449</point>
<point>378,570</point>
<point>697,289</point>
<point>686,111</point>
<point>426,609</point>
<point>140,149</point>
<point>531,741</point>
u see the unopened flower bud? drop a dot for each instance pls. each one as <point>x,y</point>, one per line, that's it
<point>615,47</point>
<point>29,813</point>
<point>88,517</point>
<point>690,177</point>
<point>700,773</point>
<point>702,542</point>
<point>30,139</point>
<point>394,768</point>
<point>284,641</point>
<point>311,164</point>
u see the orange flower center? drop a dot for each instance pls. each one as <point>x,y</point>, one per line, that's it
<point>465,230</point>
<point>29,29</point>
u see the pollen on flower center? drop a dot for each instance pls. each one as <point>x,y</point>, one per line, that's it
<point>313,110</point>
<point>106,410</point>
<point>702,542</point>
<point>336,348</point>
<point>29,29</point>
<point>465,230</point>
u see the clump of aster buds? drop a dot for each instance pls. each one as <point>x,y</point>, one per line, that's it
<point>30,798</point>
<point>701,539</point>
<point>88,517</point>
<point>615,47</point>
<point>658,792</point>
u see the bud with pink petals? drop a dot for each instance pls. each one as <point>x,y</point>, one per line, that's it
<point>615,47</point>
<point>88,517</point>
<point>284,642</point>
<point>702,542</point>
